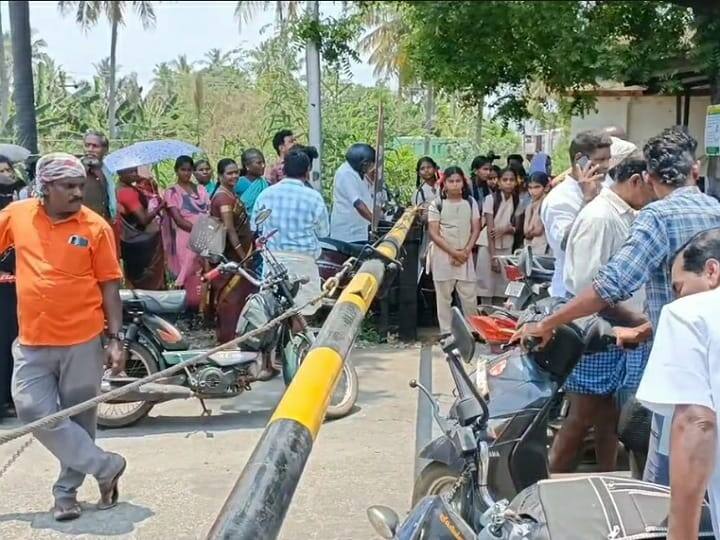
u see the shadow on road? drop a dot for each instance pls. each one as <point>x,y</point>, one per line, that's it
<point>122,519</point>
<point>225,417</point>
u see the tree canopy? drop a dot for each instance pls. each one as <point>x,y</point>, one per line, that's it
<point>488,48</point>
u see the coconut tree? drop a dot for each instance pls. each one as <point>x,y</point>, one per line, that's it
<point>24,95</point>
<point>87,14</point>
<point>246,11</point>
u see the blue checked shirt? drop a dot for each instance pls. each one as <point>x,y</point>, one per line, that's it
<point>658,232</point>
<point>298,213</point>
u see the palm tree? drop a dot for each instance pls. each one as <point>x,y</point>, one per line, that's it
<point>182,66</point>
<point>384,43</point>
<point>87,14</point>
<point>24,95</point>
<point>215,59</point>
<point>245,11</point>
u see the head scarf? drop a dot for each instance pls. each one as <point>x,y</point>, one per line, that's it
<point>56,166</point>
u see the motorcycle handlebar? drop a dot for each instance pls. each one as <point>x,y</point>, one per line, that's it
<point>212,275</point>
<point>232,268</point>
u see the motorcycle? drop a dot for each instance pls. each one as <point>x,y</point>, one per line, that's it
<point>528,276</point>
<point>334,253</point>
<point>152,343</point>
<point>523,389</point>
<point>503,458</point>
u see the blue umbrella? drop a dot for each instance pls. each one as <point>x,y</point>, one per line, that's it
<point>148,153</point>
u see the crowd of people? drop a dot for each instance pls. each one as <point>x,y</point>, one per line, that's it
<point>630,230</point>
<point>472,220</point>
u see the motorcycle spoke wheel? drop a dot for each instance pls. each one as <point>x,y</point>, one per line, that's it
<point>122,414</point>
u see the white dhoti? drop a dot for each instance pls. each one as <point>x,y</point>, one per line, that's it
<point>302,265</point>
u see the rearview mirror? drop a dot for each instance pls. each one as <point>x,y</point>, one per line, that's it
<point>384,520</point>
<point>462,334</point>
<point>262,216</point>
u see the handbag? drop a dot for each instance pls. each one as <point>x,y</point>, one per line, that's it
<point>208,236</point>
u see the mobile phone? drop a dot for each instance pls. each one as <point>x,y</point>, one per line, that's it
<point>583,162</point>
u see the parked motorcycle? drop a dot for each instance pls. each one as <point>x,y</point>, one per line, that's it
<point>523,390</point>
<point>502,451</point>
<point>152,344</point>
<point>528,276</point>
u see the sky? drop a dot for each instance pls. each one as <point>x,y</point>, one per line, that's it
<point>189,27</point>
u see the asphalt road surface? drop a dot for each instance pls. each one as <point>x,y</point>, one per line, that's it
<point>181,466</point>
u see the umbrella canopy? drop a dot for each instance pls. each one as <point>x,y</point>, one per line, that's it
<point>148,153</point>
<point>14,152</point>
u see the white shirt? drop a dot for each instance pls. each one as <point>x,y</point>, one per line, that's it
<point>598,232</point>
<point>558,212</point>
<point>425,194</point>
<point>346,223</point>
<point>684,368</point>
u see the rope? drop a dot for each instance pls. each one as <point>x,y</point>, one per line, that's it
<point>329,288</point>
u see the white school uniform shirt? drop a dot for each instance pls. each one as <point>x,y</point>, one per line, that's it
<point>598,232</point>
<point>346,223</point>
<point>425,194</point>
<point>684,368</point>
<point>558,212</point>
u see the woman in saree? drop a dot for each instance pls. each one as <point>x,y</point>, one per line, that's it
<point>138,229</point>
<point>230,292</point>
<point>186,201</point>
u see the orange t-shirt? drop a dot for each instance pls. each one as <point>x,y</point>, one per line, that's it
<point>59,267</point>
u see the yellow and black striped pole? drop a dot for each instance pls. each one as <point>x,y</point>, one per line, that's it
<point>256,507</point>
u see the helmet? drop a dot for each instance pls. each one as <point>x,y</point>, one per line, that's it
<point>359,156</point>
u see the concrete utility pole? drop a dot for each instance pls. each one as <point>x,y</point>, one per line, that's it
<point>312,62</point>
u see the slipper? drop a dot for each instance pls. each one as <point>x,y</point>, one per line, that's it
<point>109,492</point>
<point>66,511</point>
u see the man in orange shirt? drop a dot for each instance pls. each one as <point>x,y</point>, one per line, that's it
<point>68,281</point>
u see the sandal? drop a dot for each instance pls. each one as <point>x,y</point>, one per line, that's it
<point>66,511</point>
<point>109,492</point>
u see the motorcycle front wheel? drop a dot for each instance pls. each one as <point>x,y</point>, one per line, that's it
<point>140,363</point>
<point>347,388</point>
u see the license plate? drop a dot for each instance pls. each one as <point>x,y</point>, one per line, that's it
<point>514,289</point>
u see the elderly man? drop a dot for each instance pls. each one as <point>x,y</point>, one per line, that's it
<point>659,230</point>
<point>99,193</point>
<point>68,282</point>
<point>352,198</point>
<point>598,233</point>
<point>682,382</point>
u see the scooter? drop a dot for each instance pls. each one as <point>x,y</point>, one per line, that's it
<point>152,344</point>
<point>523,389</point>
<point>502,454</point>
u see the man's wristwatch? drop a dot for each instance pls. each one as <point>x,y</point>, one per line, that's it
<point>111,337</point>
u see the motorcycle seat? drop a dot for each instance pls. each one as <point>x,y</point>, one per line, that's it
<point>346,248</point>
<point>158,302</point>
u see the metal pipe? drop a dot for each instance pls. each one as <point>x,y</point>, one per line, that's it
<point>258,502</point>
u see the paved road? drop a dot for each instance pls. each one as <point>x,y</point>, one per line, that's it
<point>181,465</point>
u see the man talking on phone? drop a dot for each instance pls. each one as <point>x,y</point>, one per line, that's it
<point>590,158</point>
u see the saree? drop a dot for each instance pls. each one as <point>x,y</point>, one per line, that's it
<point>140,247</point>
<point>229,293</point>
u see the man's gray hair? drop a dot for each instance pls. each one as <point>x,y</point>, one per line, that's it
<point>669,161</point>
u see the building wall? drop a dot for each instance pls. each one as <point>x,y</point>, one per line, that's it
<point>644,116</point>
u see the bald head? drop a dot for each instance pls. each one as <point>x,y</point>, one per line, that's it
<point>696,267</point>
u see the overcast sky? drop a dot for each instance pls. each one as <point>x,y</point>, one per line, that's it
<point>190,28</point>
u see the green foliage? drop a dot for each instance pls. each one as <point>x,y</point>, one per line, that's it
<point>567,45</point>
